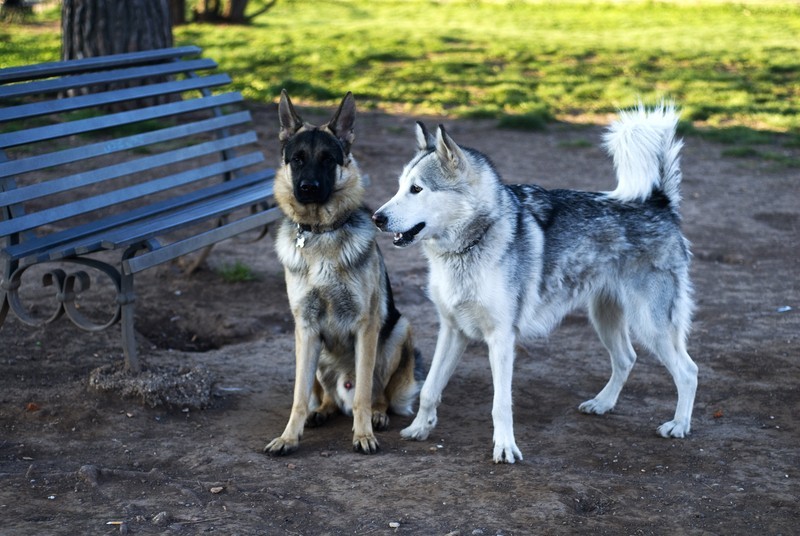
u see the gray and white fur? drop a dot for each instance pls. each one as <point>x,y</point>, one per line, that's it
<point>508,262</point>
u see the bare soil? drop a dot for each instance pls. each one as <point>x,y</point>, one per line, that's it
<point>73,460</point>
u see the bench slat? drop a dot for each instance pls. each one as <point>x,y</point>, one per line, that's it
<point>54,68</point>
<point>87,178</point>
<point>84,206</point>
<point>35,163</point>
<point>71,237</point>
<point>25,111</point>
<point>49,132</point>
<point>157,224</point>
<point>55,85</point>
<point>171,221</point>
<point>182,247</point>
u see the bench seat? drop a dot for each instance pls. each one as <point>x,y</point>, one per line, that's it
<point>145,154</point>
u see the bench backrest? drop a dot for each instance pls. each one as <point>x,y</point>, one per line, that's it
<point>137,135</point>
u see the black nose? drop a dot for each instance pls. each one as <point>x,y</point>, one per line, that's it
<point>311,191</point>
<point>380,220</point>
<point>309,187</point>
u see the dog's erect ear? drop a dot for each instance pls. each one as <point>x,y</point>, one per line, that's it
<point>290,121</point>
<point>448,151</point>
<point>343,123</point>
<point>425,142</point>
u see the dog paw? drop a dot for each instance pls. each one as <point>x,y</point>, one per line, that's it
<point>281,447</point>
<point>380,421</point>
<point>674,429</point>
<point>365,444</point>
<point>506,453</point>
<point>417,432</point>
<point>595,406</point>
<point>316,418</point>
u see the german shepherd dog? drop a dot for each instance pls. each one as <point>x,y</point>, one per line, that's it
<point>354,351</point>
<point>510,261</point>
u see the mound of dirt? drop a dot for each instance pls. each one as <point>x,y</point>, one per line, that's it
<point>170,386</point>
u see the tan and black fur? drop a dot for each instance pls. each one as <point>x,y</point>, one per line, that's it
<point>354,351</point>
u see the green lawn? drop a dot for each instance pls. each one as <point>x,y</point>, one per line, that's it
<point>727,64</point>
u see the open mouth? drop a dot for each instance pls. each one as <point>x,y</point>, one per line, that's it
<point>405,238</point>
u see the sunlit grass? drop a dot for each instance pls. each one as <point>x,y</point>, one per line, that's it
<point>727,64</point>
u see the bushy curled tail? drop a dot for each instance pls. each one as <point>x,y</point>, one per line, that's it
<point>646,154</point>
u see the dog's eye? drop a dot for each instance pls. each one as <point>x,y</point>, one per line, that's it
<point>415,189</point>
<point>298,159</point>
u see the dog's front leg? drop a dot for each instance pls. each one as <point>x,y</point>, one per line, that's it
<point>308,346</point>
<point>501,359</point>
<point>449,348</point>
<point>364,440</point>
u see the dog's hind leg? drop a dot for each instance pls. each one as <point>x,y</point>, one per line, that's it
<point>449,348</point>
<point>671,351</point>
<point>664,331</point>
<point>326,408</point>
<point>403,387</point>
<point>609,322</point>
<point>380,412</point>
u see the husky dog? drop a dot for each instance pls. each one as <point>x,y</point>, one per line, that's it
<point>509,261</point>
<point>348,332</point>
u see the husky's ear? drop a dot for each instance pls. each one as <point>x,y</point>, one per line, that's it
<point>425,142</point>
<point>290,121</point>
<point>343,122</point>
<point>448,151</point>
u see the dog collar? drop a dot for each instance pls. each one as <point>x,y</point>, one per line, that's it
<point>303,230</point>
<point>475,242</point>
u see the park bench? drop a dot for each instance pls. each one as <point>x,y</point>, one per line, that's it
<point>115,164</point>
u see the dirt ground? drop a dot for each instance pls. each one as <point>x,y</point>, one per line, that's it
<point>75,461</point>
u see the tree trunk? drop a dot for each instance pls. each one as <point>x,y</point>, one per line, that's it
<point>101,27</point>
<point>15,11</point>
<point>234,11</point>
<point>227,11</point>
<point>177,11</point>
<point>208,11</point>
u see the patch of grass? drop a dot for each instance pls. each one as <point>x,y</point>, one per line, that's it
<point>737,136</point>
<point>782,159</point>
<point>238,272</point>
<point>779,159</point>
<point>535,120</point>
<point>792,141</point>
<point>726,63</point>
<point>576,144</point>
<point>741,152</point>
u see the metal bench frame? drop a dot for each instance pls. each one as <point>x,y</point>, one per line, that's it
<point>232,195</point>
